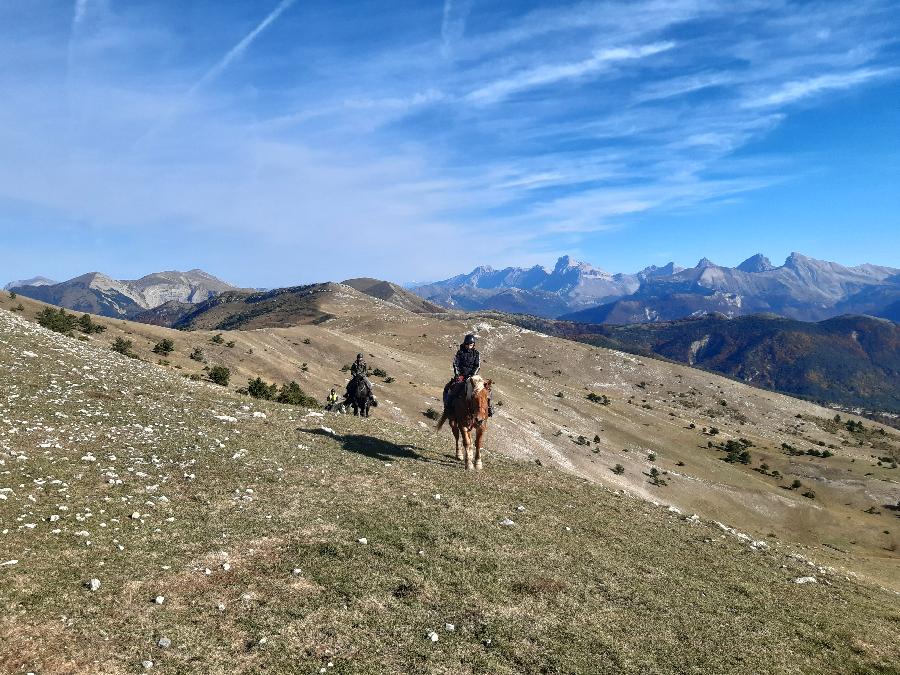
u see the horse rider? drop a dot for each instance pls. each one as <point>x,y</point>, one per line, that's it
<point>332,399</point>
<point>466,363</point>
<point>360,369</point>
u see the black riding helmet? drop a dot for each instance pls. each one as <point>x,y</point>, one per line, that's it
<point>469,339</point>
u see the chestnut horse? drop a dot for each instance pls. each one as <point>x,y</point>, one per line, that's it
<point>469,413</point>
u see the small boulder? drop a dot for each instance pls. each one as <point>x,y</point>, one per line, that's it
<point>164,643</point>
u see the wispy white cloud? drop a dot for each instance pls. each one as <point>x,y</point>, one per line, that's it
<point>546,75</point>
<point>796,90</point>
<point>453,23</point>
<point>414,131</point>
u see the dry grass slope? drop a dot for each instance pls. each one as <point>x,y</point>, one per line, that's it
<point>660,416</point>
<point>248,520</point>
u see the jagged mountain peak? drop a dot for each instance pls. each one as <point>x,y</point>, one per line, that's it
<point>705,262</point>
<point>668,269</point>
<point>756,263</point>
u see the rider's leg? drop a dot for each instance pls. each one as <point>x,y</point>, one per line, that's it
<point>490,404</point>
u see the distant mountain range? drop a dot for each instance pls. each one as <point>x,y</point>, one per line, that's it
<point>97,293</point>
<point>803,288</point>
<point>852,361</point>
<point>34,281</point>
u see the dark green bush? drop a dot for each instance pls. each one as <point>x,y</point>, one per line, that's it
<point>292,394</point>
<point>57,320</point>
<point>164,347</point>
<point>259,389</point>
<point>87,325</point>
<point>219,375</point>
<point>123,346</point>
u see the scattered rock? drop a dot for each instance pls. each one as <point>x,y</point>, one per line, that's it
<point>449,627</point>
<point>506,522</point>
<point>805,580</point>
<point>94,584</point>
<point>363,541</point>
<point>164,643</point>
<point>147,664</point>
<point>160,599</point>
<point>432,636</point>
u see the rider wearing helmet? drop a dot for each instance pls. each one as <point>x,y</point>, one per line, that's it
<point>466,363</point>
<point>360,368</point>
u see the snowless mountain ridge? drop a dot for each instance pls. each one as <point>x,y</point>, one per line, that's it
<point>98,293</point>
<point>802,288</point>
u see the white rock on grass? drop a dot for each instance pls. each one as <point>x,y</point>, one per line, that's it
<point>363,541</point>
<point>147,664</point>
<point>160,599</point>
<point>432,636</point>
<point>164,643</point>
<point>449,627</point>
<point>506,522</point>
<point>805,580</point>
<point>94,584</point>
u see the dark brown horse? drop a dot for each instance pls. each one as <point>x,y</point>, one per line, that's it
<point>469,413</point>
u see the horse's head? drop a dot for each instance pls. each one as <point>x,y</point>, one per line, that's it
<point>481,402</point>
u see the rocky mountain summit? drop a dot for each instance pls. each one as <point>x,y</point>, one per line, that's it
<point>802,288</point>
<point>34,281</point>
<point>98,293</point>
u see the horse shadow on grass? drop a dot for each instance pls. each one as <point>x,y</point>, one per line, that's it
<point>378,448</point>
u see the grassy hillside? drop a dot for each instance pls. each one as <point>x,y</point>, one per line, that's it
<point>853,361</point>
<point>659,416</point>
<point>246,519</point>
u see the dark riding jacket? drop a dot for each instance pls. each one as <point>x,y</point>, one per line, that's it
<point>467,362</point>
<point>359,368</point>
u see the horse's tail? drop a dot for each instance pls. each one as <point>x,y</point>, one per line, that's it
<point>441,421</point>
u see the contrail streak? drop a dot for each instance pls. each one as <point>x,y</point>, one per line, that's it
<point>240,47</point>
<point>214,72</point>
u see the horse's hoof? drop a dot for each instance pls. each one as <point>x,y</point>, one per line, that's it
<point>478,465</point>
<point>469,466</point>
<point>459,456</point>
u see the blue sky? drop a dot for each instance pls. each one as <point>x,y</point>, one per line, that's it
<point>279,142</point>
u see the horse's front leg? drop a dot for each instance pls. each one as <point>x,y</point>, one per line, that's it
<point>479,435</point>
<point>467,448</point>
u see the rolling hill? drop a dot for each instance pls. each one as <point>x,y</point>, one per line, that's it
<point>658,415</point>
<point>849,361</point>
<point>155,522</point>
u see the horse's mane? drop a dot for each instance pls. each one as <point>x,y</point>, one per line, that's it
<point>473,385</point>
